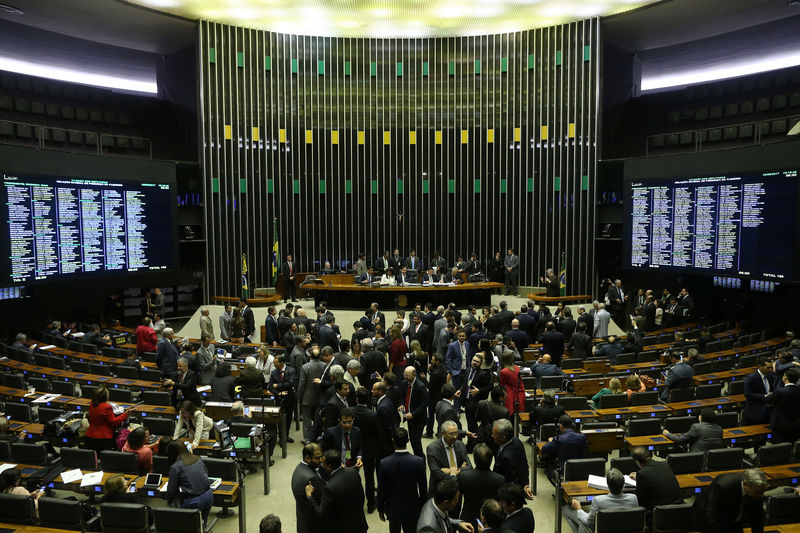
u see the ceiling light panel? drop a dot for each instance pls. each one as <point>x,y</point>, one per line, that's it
<point>399,18</point>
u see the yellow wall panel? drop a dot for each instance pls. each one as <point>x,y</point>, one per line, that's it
<point>387,137</point>
<point>361,137</point>
<point>438,137</point>
<point>544,133</point>
<point>255,133</point>
<point>517,135</point>
<point>309,136</point>
<point>571,130</point>
<point>282,136</point>
<point>490,135</point>
<point>228,132</point>
<point>464,136</point>
<point>335,137</point>
<point>412,137</point>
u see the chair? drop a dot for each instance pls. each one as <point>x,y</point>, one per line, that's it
<point>747,361</point>
<point>724,459</point>
<point>61,342</point>
<point>664,338</point>
<point>609,401</point>
<point>124,518</point>
<point>551,382</point>
<point>120,395</point>
<point>686,463</point>
<point>78,458</point>
<point>571,363</point>
<point>644,398</point>
<point>168,520</point>
<point>706,367</point>
<point>161,465</point>
<point>546,431</point>
<point>150,397</point>
<point>713,346</point>
<point>723,365</point>
<point>90,349</point>
<point>681,395</point>
<point>648,356</point>
<point>159,426</point>
<point>41,359</point>
<point>221,468</point>
<point>644,426</point>
<point>727,420</point>
<point>100,370</point>
<point>19,412</point>
<point>626,465</point>
<point>679,424</point>
<point>620,521</point>
<point>774,454</point>
<point>80,366</point>
<point>17,509</point>
<point>65,388</point>
<point>121,462</point>
<point>87,391</point>
<point>626,358</point>
<point>74,346</point>
<point>573,403</point>
<point>40,384</point>
<point>127,372</point>
<point>710,390</point>
<point>599,425</point>
<point>735,387</point>
<point>726,344</point>
<point>59,513</point>
<point>675,518</point>
<point>150,374</point>
<point>46,414</point>
<point>30,454</point>
<point>579,469</point>
<point>783,509</point>
<point>15,381</point>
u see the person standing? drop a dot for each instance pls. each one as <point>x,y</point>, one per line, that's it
<point>281,385</point>
<point>456,362</point>
<point>342,503</point>
<point>757,386</point>
<point>308,390</point>
<point>511,265</point>
<point>414,396</point>
<point>271,327</point>
<point>206,360</point>
<point>511,379</point>
<point>189,484</point>
<point>447,455</point>
<point>225,322</point>
<point>617,296</point>
<point>479,483</point>
<point>304,473</point>
<point>102,421</point>
<point>206,325</point>
<point>248,318</point>
<point>401,486</point>
<point>602,318</point>
<point>785,420</point>
<point>146,339</point>
<point>167,356</point>
<point>434,517</point>
<point>289,271</point>
<point>476,388</point>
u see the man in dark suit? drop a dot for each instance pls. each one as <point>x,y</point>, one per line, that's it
<point>511,461</point>
<point>167,355</point>
<point>655,481</point>
<point>247,318</point>
<point>289,270</point>
<point>388,418</point>
<point>729,501</point>
<point>581,342</point>
<point>568,444</point>
<point>432,277</point>
<point>519,518</point>
<point>281,385</point>
<point>373,364</point>
<point>367,277</point>
<point>494,324</point>
<point>376,316</point>
<point>331,410</point>
<point>785,421</point>
<point>396,261</point>
<point>505,315</point>
<point>703,436</point>
<point>401,486</point>
<point>271,327</point>
<point>367,421</point>
<point>305,473</point>
<point>447,456</point>
<point>327,335</point>
<point>610,350</point>
<point>492,516</point>
<point>756,388</point>
<point>341,508</point>
<point>567,324</point>
<point>456,361</point>
<point>678,377</point>
<point>383,262</point>
<point>547,412</point>
<point>544,367</point>
<point>437,376</point>
<point>418,331</point>
<point>414,395</point>
<point>586,319</point>
<point>438,262</point>
<point>184,384</point>
<point>527,322</point>
<point>490,411</point>
<point>402,276</point>
<point>511,270</point>
<point>516,334</point>
<point>478,484</point>
<point>686,303</point>
<point>444,410</point>
<point>345,438</point>
<point>413,262</point>
<point>553,343</point>
<point>617,296</point>
<point>475,389</point>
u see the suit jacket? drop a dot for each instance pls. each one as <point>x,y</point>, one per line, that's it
<point>601,320</point>
<point>445,411</point>
<point>512,462</point>
<point>581,344</point>
<point>416,264</point>
<point>277,385</point>
<point>494,324</point>
<point>342,506</point>
<point>305,519</point>
<point>286,270</point>
<point>482,380</point>
<point>186,390</point>
<point>166,357</point>
<point>249,321</point>
<point>327,337</point>
<point>519,337</point>
<point>520,522</point>
<point>333,437</point>
<point>527,323</point>
<point>512,262</point>
<point>401,486</point>
<point>488,412</point>
<point>567,326</point>
<point>614,294</point>
<point>431,278</point>
<point>546,369</point>
<point>567,445</point>
<point>419,400</point>
<point>331,410</point>
<point>719,506</point>
<point>206,363</point>
<point>307,390</point>
<point>453,360</point>
<point>395,262</point>
<point>382,264</point>
<point>423,335</point>
<point>606,502</point>
<point>360,267</point>
<point>401,279</point>
<point>610,350</point>
<point>366,277</point>
<point>388,420</point>
<point>553,343</point>
<point>703,436</point>
<point>430,521</point>
<point>588,321</point>
<point>252,383</point>
<point>436,378</point>
<point>476,486</point>
<point>272,334</point>
<point>656,485</point>
<point>368,422</point>
<point>546,414</point>
<point>438,459</point>
<point>506,316</point>
<point>372,362</point>
<point>756,410</point>
<point>678,377</point>
<point>785,414</point>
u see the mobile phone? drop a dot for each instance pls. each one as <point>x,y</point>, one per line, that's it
<point>246,410</point>
<point>480,524</point>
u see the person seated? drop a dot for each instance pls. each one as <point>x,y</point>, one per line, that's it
<point>610,350</point>
<point>327,269</point>
<point>115,490</point>
<point>54,328</point>
<point>20,342</point>
<point>367,277</point>
<point>139,443</point>
<point>271,430</point>
<point>678,377</point>
<point>388,278</point>
<point>403,277</point>
<point>431,277</point>
<point>453,277</point>
<point>544,367</point>
<point>568,444</point>
<point>11,483</point>
<point>614,387</point>
<point>704,435</point>
<point>656,483</point>
<point>547,412</point>
<point>634,384</point>
<point>184,384</point>
<point>95,337</point>
<point>582,522</point>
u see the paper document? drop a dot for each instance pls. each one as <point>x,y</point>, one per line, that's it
<point>6,466</point>
<point>204,388</point>
<point>164,487</point>
<point>48,347</point>
<point>599,482</point>
<point>78,334</point>
<point>46,398</point>
<point>71,476</point>
<point>92,478</point>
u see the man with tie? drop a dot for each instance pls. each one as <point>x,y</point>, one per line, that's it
<point>757,387</point>
<point>414,395</point>
<point>346,438</point>
<point>396,261</point>
<point>289,288</point>
<point>271,327</point>
<point>511,264</point>
<point>413,262</point>
<point>341,507</point>
<point>476,388</point>
<point>281,385</point>
<point>307,472</point>
<point>384,262</point>
<point>388,417</point>
<point>402,277</point>
<point>184,384</point>
<point>511,460</point>
<point>367,277</point>
<point>456,362</point>
<point>338,402</point>
<point>434,516</point>
<point>247,318</point>
<point>401,486</point>
<point>616,297</point>
<point>447,456</point>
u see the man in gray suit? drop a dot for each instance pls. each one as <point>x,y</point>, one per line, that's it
<point>361,265</point>
<point>309,392</point>
<point>447,456</point>
<point>434,516</point>
<point>305,473</point>
<point>511,264</point>
<point>601,321</point>
<point>581,521</point>
<point>705,435</point>
<point>206,360</point>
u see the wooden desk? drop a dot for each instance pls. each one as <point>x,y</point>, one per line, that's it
<point>637,367</point>
<point>588,387</point>
<point>740,434</point>
<point>634,411</point>
<point>80,377</point>
<point>351,296</point>
<point>255,302</point>
<point>679,408</point>
<point>82,356</point>
<point>718,377</point>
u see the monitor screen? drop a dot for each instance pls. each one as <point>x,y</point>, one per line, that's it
<point>64,227</point>
<point>737,224</point>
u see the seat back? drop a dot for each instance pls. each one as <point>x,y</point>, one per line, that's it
<point>728,419</point>
<point>222,468</point>
<point>56,361</point>
<point>783,509</point>
<point>74,346</point>
<point>19,412</point>
<point>122,462</point>
<point>571,363</point>
<point>644,398</point>
<point>41,359</point>
<point>78,458</point>
<point>620,521</point>
<point>87,391</point>
<point>681,395</point>
<point>599,425</point>
<point>46,414</point>
<point>747,361</point>
<point>168,520</point>
<point>161,465</point>
<point>626,358</point>
<point>710,390</point>
<point>551,382</point>
<point>672,518</point>
<point>150,374</point>
<point>17,509</point>
<point>40,384</point>
<point>679,424</point>
<point>159,426</point>
<point>713,346</point>
<point>124,518</point>
<point>239,429</point>
<point>706,367</point>
<point>775,454</point>
<point>120,395</point>
<point>647,356</point>
<point>79,366</point>
<point>151,397</point>
<point>686,463</point>
<point>30,454</point>
<point>626,465</point>
<point>61,514</point>
<point>546,431</point>
<point>579,469</point>
<point>127,372</point>
<point>723,365</point>
<point>66,388</point>
<point>735,387</point>
<point>644,426</point>
<point>665,338</point>
<point>16,381</point>
<point>573,403</point>
<point>100,370</point>
<point>608,401</point>
<point>726,344</point>
<point>724,459</point>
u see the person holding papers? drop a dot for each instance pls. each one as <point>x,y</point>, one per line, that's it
<point>102,421</point>
<point>188,480</point>
<point>581,521</point>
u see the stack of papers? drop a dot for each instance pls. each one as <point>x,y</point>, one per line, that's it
<point>46,398</point>
<point>48,347</point>
<point>92,478</point>
<point>599,482</point>
<point>71,476</point>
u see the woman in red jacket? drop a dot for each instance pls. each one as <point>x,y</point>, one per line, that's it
<point>397,353</point>
<point>102,421</point>
<point>146,340</point>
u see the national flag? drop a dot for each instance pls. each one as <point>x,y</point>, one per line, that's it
<point>562,276</point>
<point>245,289</point>
<point>275,252</point>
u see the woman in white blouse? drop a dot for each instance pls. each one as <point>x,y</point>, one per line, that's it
<point>388,278</point>
<point>265,362</point>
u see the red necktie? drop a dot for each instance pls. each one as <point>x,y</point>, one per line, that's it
<point>408,397</point>
<point>281,376</point>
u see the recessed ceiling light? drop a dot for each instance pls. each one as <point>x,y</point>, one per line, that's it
<point>11,10</point>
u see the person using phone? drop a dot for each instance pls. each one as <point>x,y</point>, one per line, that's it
<point>10,483</point>
<point>117,490</point>
<point>139,443</point>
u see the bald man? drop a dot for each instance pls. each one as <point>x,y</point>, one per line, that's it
<point>545,367</point>
<point>519,337</point>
